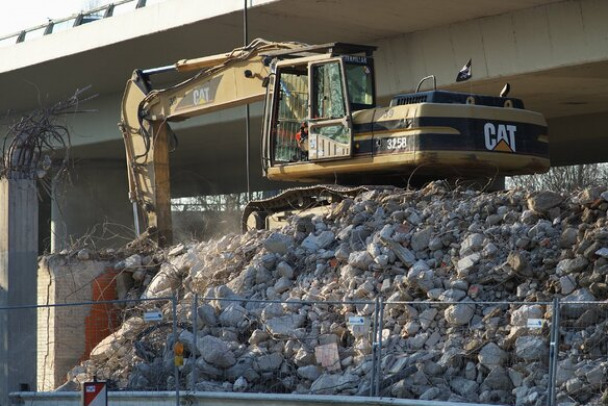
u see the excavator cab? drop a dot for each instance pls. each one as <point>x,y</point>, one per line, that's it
<point>321,90</point>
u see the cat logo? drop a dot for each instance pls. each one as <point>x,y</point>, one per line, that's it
<point>203,94</point>
<point>500,137</point>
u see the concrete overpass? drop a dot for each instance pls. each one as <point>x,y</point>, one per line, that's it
<point>553,52</point>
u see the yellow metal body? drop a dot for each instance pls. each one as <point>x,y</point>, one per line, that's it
<point>434,163</point>
<point>442,139</point>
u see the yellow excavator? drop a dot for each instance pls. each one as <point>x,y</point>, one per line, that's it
<point>328,90</point>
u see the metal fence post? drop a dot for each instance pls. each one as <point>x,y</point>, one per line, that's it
<point>194,340</point>
<point>175,367</point>
<point>553,353</point>
<point>372,384</point>
<point>376,378</point>
<point>380,304</point>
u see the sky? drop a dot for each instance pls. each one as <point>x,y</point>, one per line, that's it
<point>16,15</point>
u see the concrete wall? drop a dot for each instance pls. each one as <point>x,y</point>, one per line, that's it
<point>62,335</point>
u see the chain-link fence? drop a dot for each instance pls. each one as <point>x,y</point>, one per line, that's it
<point>263,346</point>
<point>581,362</point>
<point>479,352</point>
<point>541,353</point>
<point>59,347</point>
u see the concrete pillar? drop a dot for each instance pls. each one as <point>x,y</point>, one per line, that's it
<point>18,268</point>
<point>92,208</point>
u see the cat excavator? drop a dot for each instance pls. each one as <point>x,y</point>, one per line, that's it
<point>329,90</point>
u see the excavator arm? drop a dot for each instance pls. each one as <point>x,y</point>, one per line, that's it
<point>221,81</point>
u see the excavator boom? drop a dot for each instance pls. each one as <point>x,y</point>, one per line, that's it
<point>222,81</point>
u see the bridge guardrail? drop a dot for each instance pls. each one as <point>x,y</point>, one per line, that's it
<point>74,20</point>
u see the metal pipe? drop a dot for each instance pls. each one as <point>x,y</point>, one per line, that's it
<point>136,220</point>
<point>160,69</point>
<point>194,340</point>
<point>247,112</point>
<point>185,65</point>
<point>373,379</point>
<point>245,25</point>
<point>118,301</point>
<point>379,355</point>
<point>221,398</point>
<point>553,353</point>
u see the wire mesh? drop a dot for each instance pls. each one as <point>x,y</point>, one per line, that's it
<point>278,347</point>
<point>466,351</point>
<point>129,344</point>
<point>582,356</point>
<point>492,353</point>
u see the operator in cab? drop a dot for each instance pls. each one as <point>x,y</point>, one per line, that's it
<point>302,140</point>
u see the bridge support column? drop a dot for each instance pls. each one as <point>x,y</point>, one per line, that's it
<point>18,269</point>
<point>92,208</point>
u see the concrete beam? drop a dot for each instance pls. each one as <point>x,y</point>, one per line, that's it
<point>578,139</point>
<point>119,28</point>
<point>97,123</point>
<point>543,38</point>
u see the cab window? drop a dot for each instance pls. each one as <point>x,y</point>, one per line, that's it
<point>360,83</point>
<point>328,94</point>
<point>291,111</point>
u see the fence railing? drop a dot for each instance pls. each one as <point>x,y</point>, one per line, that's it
<point>479,352</point>
<point>56,347</point>
<point>75,20</point>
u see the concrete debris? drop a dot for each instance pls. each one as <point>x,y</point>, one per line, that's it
<point>271,301</point>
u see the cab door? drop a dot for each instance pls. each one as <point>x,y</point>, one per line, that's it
<point>286,108</point>
<point>330,124</point>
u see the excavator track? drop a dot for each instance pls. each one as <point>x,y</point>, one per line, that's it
<point>299,198</point>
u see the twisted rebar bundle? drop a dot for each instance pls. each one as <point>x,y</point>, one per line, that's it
<point>37,146</point>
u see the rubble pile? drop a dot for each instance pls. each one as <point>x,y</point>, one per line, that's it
<point>450,266</point>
